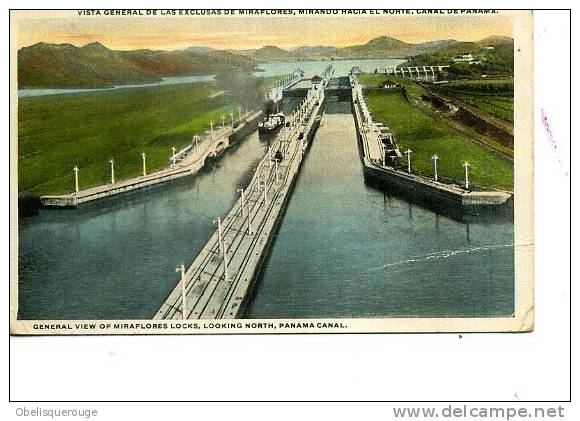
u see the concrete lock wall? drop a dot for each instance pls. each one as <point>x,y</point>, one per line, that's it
<point>423,191</point>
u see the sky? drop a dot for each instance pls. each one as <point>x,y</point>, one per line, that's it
<point>247,32</point>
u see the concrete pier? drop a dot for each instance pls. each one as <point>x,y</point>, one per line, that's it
<point>218,285</point>
<point>187,161</point>
<point>378,168</point>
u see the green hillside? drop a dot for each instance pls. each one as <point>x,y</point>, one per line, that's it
<point>426,136</point>
<point>64,65</point>
<point>57,132</point>
<point>496,61</point>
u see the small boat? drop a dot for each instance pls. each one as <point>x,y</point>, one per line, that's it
<point>271,124</point>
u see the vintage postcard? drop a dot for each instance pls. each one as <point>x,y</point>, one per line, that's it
<point>271,171</point>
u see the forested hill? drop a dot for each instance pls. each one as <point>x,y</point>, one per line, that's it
<point>45,65</point>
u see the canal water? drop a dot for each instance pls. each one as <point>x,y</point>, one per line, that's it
<point>346,249</point>
<point>116,259</point>
<point>315,67</point>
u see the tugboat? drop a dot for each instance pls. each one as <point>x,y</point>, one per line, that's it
<point>271,124</point>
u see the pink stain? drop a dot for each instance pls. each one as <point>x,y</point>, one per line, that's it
<point>551,138</point>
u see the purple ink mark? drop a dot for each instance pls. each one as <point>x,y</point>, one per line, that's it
<point>551,138</point>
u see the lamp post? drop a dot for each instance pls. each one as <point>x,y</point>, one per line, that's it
<point>250,230</point>
<point>173,156</point>
<point>466,165</point>
<point>223,121</point>
<point>226,274</point>
<point>239,113</point>
<point>232,118</point>
<point>222,248</point>
<point>265,188</point>
<point>220,242</point>
<point>409,152</point>
<point>183,297</point>
<point>195,140</point>
<point>241,190</point>
<point>211,128</point>
<point>143,156</point>
<point>435,158</point>
<point>76,170</point>
<point>276,162</point>
<point>112,162</point>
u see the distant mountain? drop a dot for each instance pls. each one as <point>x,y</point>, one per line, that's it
<point>63,65</point>
<point>381,47</point>
<point>377,48</point>
<point>434,45</point>
<point>496,40</point>
<point>94,65</point>
<point>271,53</point>
<point>200,50</point>
<point>184,63</point>
<point>318,52</point>
<point>390,47</point>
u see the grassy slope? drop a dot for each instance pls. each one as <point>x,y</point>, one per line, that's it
<point>60,131</point>
<point>426,136</point>
<point>484,94</point>
<point>499,61</point>
<point>415,91</point>
<point>501,106</point>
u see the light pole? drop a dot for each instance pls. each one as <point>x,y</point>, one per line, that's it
<point>232,117</point>
<point>246,112</point>
<point>223,121</point>
<point>195,140</point>
<point>183,298</point>
<point>222,248</point>
<point>76,170</point>
<point>173,156</point>
<point>265,188</point>
<point>250,230</point>
<point>276,162</point>
<point>220,242</point>
<point>112,162</point>
<point>226,274</point>
<point>435,158</point>
<point>241,190</point>
<point>239,113</point>
<point>409,152</point>
<point>466,165</point>
<point>211,128</point>
<point>143,156</point>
